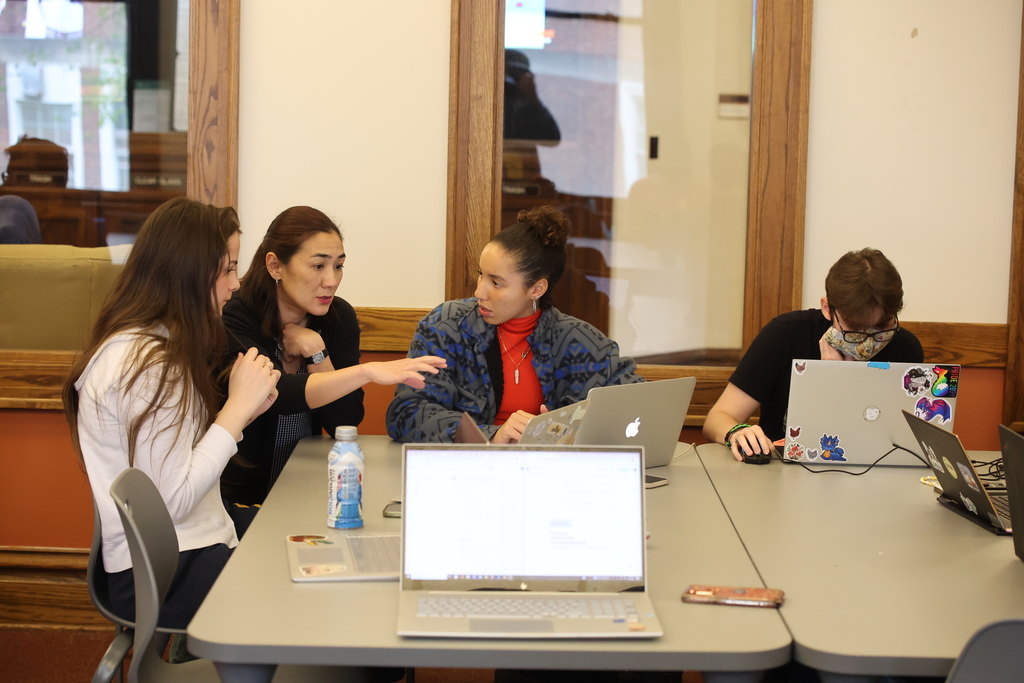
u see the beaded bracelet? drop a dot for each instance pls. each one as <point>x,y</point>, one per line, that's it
<point>732,431</point>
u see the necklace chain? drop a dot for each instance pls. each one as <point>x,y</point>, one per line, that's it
<point>505,349</point>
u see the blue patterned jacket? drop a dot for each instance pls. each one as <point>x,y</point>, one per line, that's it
<point>570,357</point>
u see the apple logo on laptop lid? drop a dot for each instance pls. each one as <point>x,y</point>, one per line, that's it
<point>633,428</point>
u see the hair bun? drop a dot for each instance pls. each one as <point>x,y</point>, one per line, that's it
<point>550,225</point>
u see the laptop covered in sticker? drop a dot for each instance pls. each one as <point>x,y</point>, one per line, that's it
<point>963,491</point>
<point>851,413</point>
<point>510,541</point>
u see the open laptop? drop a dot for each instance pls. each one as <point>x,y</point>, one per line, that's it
<point>648,414</point>
<point>343,556</point>
<point>963,491</point>
<point>850,413</point>
<point>1012,445</point>
<point>555,426</point>
<point>524,542</point>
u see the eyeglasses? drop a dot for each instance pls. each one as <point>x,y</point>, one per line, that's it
<point>858,337</point>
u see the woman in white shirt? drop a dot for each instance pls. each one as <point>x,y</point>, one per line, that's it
<point>144,394</point>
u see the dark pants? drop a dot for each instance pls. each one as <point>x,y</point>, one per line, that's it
<point>197,570</point>
<point>242,516</point>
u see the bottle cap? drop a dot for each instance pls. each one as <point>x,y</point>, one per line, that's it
<point>345,433</point>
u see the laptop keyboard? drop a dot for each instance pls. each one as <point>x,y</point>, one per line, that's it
<point>1001,503</point>
<point>622,609</point>
<point>375,554</point>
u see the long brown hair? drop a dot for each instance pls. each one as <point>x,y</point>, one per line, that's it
<point>285,236</point>
<point>167,282</point>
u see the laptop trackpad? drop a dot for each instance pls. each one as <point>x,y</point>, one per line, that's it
<point>511,626</point>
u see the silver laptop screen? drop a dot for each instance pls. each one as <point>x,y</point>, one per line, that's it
<point>503,517</point>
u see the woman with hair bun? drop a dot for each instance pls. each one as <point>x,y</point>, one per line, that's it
<point>510,353</point>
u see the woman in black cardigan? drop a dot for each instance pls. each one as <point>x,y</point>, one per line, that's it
<point>286,308</point>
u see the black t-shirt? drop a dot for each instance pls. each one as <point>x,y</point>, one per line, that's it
<point>764,371</point>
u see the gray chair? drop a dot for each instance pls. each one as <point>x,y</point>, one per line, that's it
<point>995,654</point>
<point>112,663</point>
<point>153,544</point>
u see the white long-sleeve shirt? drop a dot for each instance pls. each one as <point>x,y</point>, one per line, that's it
<point>185,468</point>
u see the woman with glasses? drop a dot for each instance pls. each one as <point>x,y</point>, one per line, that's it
<point>857,321</point>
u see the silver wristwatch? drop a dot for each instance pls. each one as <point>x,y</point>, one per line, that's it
<point>318,357</point>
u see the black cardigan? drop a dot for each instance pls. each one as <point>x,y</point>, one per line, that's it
<point>246,479</point>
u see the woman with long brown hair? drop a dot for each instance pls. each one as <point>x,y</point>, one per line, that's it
<point>287,309</point>
<point>143,394</point>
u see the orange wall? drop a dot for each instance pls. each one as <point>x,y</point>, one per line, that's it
<point>45,499</point>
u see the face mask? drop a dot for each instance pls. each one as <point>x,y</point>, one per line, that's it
<point>865,350</point>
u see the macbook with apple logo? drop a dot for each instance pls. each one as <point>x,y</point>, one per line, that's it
<point>648,414</point>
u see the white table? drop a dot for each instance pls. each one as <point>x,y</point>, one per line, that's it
<point>879,578</point>
<point>255,617</point>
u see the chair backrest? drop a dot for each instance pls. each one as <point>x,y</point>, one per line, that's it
<point>153,545</point>
<point>993,654</point>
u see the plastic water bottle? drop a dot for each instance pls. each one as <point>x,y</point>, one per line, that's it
<point>345,481</point>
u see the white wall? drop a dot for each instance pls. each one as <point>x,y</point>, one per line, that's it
<point>913,108</point>
<point>912,137</point>
<point>344,107</point>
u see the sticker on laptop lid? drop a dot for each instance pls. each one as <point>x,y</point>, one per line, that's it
<point>812,453</point>
<point>932,458</point>
<point>799,366</point>
<point>830,449</point>
<point>310,539</point>
<point>969,504</point>
<point>949,467</point>
<point>947,381</point>
<point>321,569</point>
<point>937,411</point>
<point>794,432</point>
<point>794,451</point>
<point>968,477</point>
<point>878,364</point>
<point>871,413</point>
<point>917,381</point>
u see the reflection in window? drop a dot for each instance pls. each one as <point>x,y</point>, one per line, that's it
<point>65,69</point>
<point>647,162</point>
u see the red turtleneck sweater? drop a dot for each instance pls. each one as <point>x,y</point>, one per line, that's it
<point>525,394</point>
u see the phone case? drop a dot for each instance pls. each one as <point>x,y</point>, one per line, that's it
<point>727,595</point>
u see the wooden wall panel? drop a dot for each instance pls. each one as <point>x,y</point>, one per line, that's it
<point>778,163</point>
<point>474,138</point>
<point>46,587</point>
<point>213,101</point>
<point>1013,394</point>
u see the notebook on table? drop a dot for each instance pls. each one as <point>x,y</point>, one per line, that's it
<point>648,414</point>
<point>963,490</point>
<point>851,413</point>
<point>1012,445</point>
<point>339,556</point>
<point>524,542</point>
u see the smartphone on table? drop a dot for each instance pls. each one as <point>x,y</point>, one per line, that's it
<point>732,595</point>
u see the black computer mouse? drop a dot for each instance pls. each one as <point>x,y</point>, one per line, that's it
<point>757,458</point>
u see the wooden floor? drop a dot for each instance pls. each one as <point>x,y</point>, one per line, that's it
<point>70,655</point>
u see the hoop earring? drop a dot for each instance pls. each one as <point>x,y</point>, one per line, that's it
<point>534,305</point>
